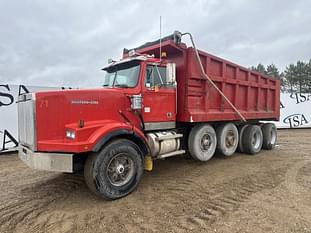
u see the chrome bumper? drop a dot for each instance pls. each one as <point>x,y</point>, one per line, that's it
<point>58,162</point>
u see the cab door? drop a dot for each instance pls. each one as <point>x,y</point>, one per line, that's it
<point>159,99</point>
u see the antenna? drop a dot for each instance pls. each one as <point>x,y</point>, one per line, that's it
<point>160,38</point>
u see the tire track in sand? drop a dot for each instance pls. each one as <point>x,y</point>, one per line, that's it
<point>228,198</point>
<point>31,201</point>
<point>298,177</point>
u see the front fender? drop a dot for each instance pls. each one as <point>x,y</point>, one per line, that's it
<point>118,129</point>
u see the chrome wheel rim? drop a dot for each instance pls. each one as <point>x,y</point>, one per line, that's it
<point>273,137</point>
<point>206,142</point>
<point>256,140</point>
<point>120,170</point>
<point>230,139</point>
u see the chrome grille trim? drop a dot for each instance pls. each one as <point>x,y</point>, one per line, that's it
<point>27,120</point>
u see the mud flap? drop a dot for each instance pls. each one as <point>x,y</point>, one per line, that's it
<point>148,166</point>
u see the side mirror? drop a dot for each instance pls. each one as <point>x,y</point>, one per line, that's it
<point>171,73</point>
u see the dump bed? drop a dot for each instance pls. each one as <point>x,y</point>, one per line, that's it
<point>256,96</point>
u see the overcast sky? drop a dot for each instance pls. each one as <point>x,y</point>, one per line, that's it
<point>66,42</point>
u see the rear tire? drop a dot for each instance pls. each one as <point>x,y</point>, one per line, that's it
<point>115,171</point>
<point>227,139</point>
<point>202,142</point>
<point>241,133</point>
<point>269,133</point>
<point>252,139</point>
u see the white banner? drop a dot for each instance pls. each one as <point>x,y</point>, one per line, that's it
<point>295,112</point>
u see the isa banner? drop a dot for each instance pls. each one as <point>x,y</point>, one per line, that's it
<point>295,110</point>
<point>8,112</point>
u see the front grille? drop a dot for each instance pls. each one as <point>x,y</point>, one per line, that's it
<point>26,120</point>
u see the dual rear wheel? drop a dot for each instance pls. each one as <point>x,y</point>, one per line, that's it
<point>203,140</point>
<point>252,139</point>
<point>227,139</point>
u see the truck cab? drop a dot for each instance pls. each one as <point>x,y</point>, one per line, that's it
<point>153,86</point>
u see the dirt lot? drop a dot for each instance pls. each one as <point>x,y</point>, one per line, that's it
<point>270,192</point>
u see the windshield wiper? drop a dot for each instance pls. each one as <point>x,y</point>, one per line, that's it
<point>121,85</point>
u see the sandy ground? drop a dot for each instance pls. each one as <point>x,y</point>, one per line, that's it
<point>269,192</point>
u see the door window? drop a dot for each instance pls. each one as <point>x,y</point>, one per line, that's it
<point>155,76</point>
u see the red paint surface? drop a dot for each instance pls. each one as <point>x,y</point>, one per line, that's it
<point>56,113</point>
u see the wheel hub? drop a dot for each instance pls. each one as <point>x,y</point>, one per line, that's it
<point>205,142</point>
<point>230,139</point>
<point>120,170</point>
<point>256,140</point>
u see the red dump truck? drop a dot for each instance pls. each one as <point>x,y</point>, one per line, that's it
<point>161,99</point>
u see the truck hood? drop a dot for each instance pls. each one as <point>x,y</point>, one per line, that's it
<point>55,110</point>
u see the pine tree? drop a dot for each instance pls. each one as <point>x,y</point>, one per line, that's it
<point>296,77</point>
<point>259,68</point>
<point>290,73</point>
<point>273,71</point>
<point>300,75</point>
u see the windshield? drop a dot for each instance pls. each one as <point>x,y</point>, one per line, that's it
<point>122,75</point>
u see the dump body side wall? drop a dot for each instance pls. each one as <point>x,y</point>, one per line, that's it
<point>255,95</point>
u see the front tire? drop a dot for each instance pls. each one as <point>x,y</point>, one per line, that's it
<point>115,171</point>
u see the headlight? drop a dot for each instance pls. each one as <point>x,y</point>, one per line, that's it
<point>70,134</point>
